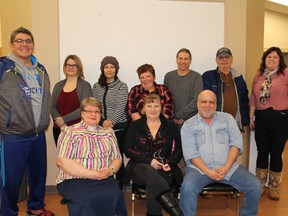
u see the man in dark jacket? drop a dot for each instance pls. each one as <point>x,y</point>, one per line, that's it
<point>229,87</point>
<point>24,117</point>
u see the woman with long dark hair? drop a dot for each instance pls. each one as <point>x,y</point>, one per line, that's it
<point>269,118</point>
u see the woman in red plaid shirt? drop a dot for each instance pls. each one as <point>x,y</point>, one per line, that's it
<point>138,93</point>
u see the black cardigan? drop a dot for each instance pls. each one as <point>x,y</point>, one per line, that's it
<point>136,145</point>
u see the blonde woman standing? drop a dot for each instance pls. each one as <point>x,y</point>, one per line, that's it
<point>70,91</point>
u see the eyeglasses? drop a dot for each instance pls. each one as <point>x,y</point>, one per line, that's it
<point>74,66</point>
<point>21,41</point>
<point>92,111</point>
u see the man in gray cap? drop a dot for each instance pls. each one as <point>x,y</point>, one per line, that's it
<point>229,87</point>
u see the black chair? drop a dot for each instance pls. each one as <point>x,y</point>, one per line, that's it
<point>217,188</point>
<point>138,191</point>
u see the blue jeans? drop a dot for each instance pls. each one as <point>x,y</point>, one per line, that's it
<point>241,179</point>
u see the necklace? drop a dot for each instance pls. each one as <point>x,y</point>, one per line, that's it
<point>152,89</point>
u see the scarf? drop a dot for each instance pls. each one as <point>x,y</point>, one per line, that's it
<point>266,85</point>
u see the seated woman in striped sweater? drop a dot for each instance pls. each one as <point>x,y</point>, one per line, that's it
<point>88,158</point>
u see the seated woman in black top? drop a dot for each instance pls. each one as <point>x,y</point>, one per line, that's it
<point>153,146</point>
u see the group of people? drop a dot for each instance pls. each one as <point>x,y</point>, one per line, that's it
<point>197,118</point>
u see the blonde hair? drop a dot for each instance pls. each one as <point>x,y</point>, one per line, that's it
<point>92,101</point>
<point>78,63</point>
<point>151,98</point>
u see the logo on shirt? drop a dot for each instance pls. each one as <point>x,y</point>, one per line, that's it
<point>25,90</point>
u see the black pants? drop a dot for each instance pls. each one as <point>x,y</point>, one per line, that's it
<point>144,174</point>
<point>56,133</point>
<point>271,131</point>
<point>120,135</point>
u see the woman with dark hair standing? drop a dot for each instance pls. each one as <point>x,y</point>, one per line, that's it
<point>269,110</point>
<point>113,93</point>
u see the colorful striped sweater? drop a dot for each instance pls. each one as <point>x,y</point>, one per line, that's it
<point>93,149</point>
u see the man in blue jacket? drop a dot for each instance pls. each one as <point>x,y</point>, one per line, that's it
<point>229,87</point>
<point>24,117</point>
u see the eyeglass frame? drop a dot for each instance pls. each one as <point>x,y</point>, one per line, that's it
<point>92,111</point>
<point>22,41</point>
<point>73,66</point>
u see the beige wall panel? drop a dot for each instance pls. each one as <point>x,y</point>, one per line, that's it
<point>14,14</point>
<point>276,30</point>
<point>46,33</point>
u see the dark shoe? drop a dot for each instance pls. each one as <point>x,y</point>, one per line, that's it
<point>39,212</point>
<point>63,201</point>
<point>169,203</point>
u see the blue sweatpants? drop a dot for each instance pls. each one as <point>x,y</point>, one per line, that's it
<point>24,152</point>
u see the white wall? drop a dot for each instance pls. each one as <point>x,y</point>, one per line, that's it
<point>252,153</point>
<point>138,32</point>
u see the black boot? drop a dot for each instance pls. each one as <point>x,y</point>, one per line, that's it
<point>169,204</point>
